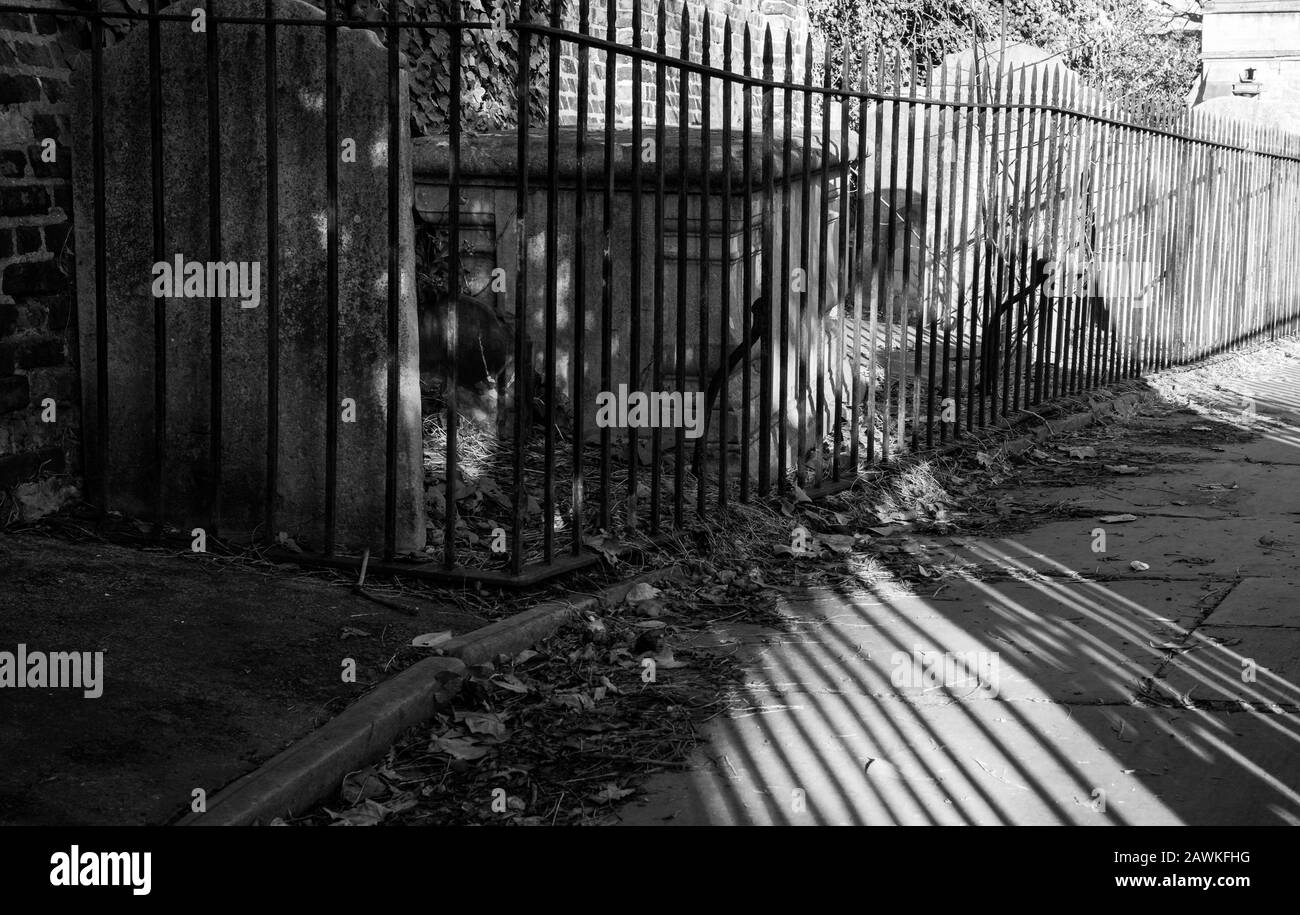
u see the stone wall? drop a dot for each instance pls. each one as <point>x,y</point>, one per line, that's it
<point>38,385</point>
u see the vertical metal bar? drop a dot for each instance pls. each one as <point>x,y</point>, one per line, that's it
<point>451,328</point>
<point>803,340</point>
<point>393,318</point>
<point>634,330</point>
<point>579,362</point>
<point>159,254</point>
<point>910,292</point>
<point>954,296</point>
<point>657,384</point>
<point>817,332</point>
<point>101,469</point>
<point>889,291</point>
<point>925,285</point>
<point>1016,277</point>
<point>768,279</point>
<point>879,266</point>
<point>683,166</point>
<point>552,284</point>
<point>1024,249</point>
<point>979,228</point>
<point>523,363</point>
<point>845,263</point>
<point>702,356</point>
<point>747,270</point>
<point>861,267</point>
<point>968,239</point>
<point>724,319</point>
<point>214,254</point>
<point>787,140</point>
<point>936,299</point>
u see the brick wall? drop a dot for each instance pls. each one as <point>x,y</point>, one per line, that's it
<point>37,310</point>
<point>782,16</point>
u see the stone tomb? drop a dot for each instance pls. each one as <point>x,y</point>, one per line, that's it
<point>127,247</point>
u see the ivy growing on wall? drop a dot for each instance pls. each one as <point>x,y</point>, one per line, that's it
<point>489,62</point>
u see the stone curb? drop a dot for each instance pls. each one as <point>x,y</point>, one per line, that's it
<point>313,767</point>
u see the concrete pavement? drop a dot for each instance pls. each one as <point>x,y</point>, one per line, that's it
<point>1039,676</point>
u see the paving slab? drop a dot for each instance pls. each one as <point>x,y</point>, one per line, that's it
<point>857,760</point>
<point>1260,602</point>
<point>1237,664</point>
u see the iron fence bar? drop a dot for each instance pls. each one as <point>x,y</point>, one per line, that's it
<point>908,292</point>
<point>579,361</point>
<point>802,338</point>
<point>925,288</point>
<point>158,223</point>
<point>825,350</point>
<point>768,299</point>
<point>636,281</point>
<point>523,354</point>
<point>701,358</point>
<point>552,286</point>
<point>658,303</point>
<point>683,162</point>
<point>607,261</point>
<point>451,326</point>
<point>393,317</point>
<point>214,252</point>
<point>861,267</point>
<point>101,277</point>
<point>878,265</point>
<point>747,270</point>
<point>845,266</point>
<point>953,292</point>
<point>724,318</point>
<point>787,129</point>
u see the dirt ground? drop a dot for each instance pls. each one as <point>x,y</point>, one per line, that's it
<point>210,668</point>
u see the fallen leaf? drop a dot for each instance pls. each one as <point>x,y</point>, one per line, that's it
<point>642,591</point>
<point>611,793</point>
<point>837,543</point>
<point>1138,566</point>
<point>368,813</point>
<point>458,748</point>
<point>1122,469</point>
<point>484,723</point>
<point>1117,519</point>
<point>431,639</point>
<point>1081,451</point>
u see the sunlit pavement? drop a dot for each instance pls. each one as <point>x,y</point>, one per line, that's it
<point>1077,688</point>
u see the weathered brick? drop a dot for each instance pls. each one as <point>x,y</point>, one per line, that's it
<point>59,382</point>
<point>12,163</point>
<point>45,23</point>
<point>34,55</point>
<point>63,198</point>
<point>37,278</point>
<point>14,393</point>
<point>16,88</point>
<point>46,125</point>
<point>61,167</point>
<point>55,89</point>
<point>19,468</point>
<point>6,243</point>
<point>60,315</point>
<point>15,22</point>
<point>6,357</point>
<point>29,239</point>
<point>8,318</point>
<point>24,201</point>
<point>55,236</point>
<point>34,352</point>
